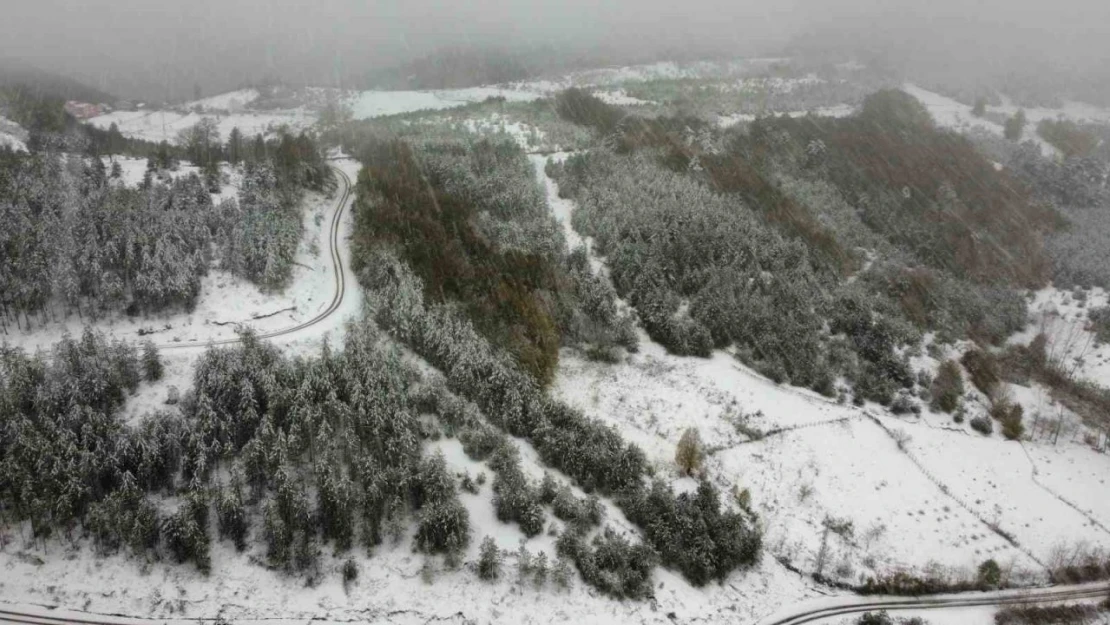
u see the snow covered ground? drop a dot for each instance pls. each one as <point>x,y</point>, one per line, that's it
<point>952,114</point>
<point>840,110</point>
<point>12,135</point>
<point>165,125</point>
<point>1062,317</point>
<point>231,101</point>
<point>369,104</point>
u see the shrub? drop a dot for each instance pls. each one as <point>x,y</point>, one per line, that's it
<point>1015,126</point>
<point>990,574</point>
<point>982,425</point>
<point>1010,416</point>
<point>1100,323</point>
<point>1046,615</point>
<point>982,367</point>
<point>689,454</point>
<point>349,571</point>
<point>948,387</point>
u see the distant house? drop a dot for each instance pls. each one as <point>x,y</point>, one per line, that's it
<point>126,105</point>
<point>84,110</point>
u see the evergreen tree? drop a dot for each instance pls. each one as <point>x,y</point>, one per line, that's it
<point>152,362</point>
<point>1015,126</point>
<point>980,108</point>
<point>489,560</point>
<point>235,146</point>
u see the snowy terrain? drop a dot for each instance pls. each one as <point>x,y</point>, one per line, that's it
<point>12,135</point>
<point>922,493</point>
<point>165,125</point>
<point>952,114</point>
<point>231,101</point>
<point>1063,319</point>
<point>369,104</point>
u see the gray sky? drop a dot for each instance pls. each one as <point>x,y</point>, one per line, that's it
<point>143,47</point>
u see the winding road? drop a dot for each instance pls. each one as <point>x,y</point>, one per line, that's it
<point>337,269</point>
<point>971,599</point>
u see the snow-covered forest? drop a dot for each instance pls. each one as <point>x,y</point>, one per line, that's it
<point>82,242</point>
<point>705,341</point>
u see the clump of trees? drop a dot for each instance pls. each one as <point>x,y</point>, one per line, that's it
<point>293,453</point>
<point>473,224</point>
<point>80,243</point>
<point>749,239</point>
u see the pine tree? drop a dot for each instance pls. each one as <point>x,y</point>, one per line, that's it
<point>980,108</point>
<point>152,362</point>
<point>235,146</point>
<point>1015,126</point>
<point>489,560</point>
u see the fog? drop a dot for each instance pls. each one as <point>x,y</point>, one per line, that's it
<point>163,49</point>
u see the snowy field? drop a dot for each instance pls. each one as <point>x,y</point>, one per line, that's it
<point>949,113</point>
<point>232,101</point>
<point>12,135</point>
<point>165,125</point>
<point>1063,319</point>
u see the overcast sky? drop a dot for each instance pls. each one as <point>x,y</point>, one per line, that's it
<point>128,46</point>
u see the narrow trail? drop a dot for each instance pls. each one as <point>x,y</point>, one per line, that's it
<point>1095,522</point>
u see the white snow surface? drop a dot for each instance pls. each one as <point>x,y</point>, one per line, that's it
<point>1063,319</point>
<point>165,125</point>
<point>370,104</point>
<point>231,101</point>
<point>949,113</point>
<point>12,135</point>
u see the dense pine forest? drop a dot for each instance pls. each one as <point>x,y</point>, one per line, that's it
<point>81,242</point>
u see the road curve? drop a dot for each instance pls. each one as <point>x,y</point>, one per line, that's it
<point>337,267</point>
<point>894,604</point>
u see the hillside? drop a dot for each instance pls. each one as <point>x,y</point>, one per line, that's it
<point>665,343</point>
